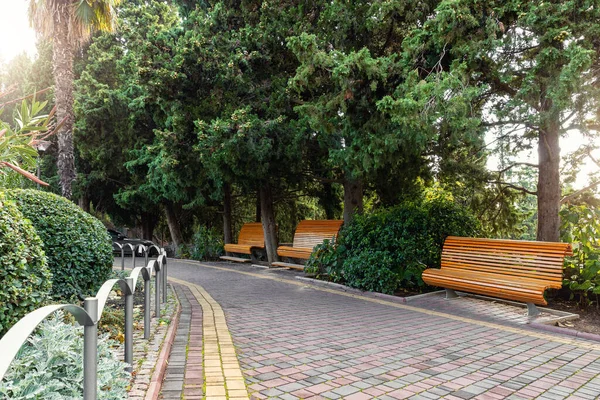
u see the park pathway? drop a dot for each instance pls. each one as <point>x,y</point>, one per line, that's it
<point>296,341</point>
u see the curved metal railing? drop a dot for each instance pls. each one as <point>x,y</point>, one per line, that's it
<point>89,316</point>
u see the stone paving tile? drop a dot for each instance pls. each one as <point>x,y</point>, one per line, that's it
<point>288,334</point>
<point>176,371</point>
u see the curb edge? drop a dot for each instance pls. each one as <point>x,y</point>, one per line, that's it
<point>160,367</point>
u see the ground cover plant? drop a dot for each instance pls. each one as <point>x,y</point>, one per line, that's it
<point>24,273</point>
<point>76,244</point>
<point>50,366</point>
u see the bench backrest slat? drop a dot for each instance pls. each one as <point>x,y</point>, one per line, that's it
<point>529,259</point>
<point>251,234</point>
<point>310,233</point>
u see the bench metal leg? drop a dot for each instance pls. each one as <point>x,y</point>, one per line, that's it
<point>450,294</point>
<point>532,310</point>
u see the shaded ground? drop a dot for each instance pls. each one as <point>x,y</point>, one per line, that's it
<point>589,319</point>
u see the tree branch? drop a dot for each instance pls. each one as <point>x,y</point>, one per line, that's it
<point>516,165</point>
<point>514,187</point>
<point>575,194</point>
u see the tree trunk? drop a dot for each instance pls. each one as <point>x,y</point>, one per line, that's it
<point>62,63</point>
<point>328,200</point>
<point>149,221</point>
<point>84,202</point>
<point>227,231</point>
<point>268,222</point>
<point>174,227</point>
<point>548,187</point>
<point>353,199</point>
<point>258,206</point>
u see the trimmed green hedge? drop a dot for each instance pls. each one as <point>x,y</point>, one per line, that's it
<point>23,270</point>
<point>390,249</point>
<point>77,245</point>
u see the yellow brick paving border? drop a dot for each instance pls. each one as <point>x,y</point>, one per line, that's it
<point>222,373</point>
<point>538,335</point>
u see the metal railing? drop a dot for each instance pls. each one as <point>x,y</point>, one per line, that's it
<point>89,315</point>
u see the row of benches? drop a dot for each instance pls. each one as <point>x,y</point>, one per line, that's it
<point>509,269</point>
<point>309,233</point>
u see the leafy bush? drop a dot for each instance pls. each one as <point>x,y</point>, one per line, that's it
<point>581,228</point>
<point>391,248</point>
<point>24,272</point>
<point>77,245</point>
<point>323,259</point>
<point>50,366</point>
<point>207,244</point>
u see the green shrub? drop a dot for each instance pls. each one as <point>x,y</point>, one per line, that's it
<point>581,228</point>
<point>323,260</point>
<point>26,280</point>
<point>370,270</point>
<point>50,366</point>
<point>77,245</point>
<point>391,248</point>
<point>207,244</point>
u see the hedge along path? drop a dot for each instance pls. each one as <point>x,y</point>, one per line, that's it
<point>222,373</point>
<point>538,335</point>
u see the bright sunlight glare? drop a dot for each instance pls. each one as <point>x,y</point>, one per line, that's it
<point>16,36</point>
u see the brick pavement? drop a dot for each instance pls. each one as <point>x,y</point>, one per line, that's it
<point>298,342</point>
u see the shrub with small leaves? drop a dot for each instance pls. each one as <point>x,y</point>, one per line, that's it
<point>26,280</point>
<point>50,366</point>
<point>76,244</point>
<point>207,244</point>
<point>581,227</point>
<point>390,249</point>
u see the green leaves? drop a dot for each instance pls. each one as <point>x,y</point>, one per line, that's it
<point>18,145</point>
<point>76,244</point>
<point>581,227</point>
<point>50,366</point>
<point>391,248</point>
<point>24,273</point>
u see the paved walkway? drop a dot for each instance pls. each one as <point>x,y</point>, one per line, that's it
<point>295,341</point>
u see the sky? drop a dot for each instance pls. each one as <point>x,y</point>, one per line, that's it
<point>16,36</point>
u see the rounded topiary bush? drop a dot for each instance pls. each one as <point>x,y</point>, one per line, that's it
<point>24,274</point>
<point>77,245</point>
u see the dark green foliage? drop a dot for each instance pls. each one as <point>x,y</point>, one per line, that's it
<point>76,244</point>
<point>24,272</point>
<point>323,259</point>
<point>581,227</point>
<point>371,270</point>
<point>207,244</point>
<point>392,247</point>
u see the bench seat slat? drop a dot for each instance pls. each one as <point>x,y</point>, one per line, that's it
<point>496,256</point>
<point>517,289</point>
<point>503,262</point>
<point>310,233</point>
<point>251,236</point>
<point>508,272</point>
<point>509,269</point>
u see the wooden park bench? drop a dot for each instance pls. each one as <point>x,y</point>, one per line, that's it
<point>251,238</point>
<point>508,269</point>
<point>309,233</point>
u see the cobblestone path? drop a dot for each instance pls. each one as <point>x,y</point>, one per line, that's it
<point>295,341</point>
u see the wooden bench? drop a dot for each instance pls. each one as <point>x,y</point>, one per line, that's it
<point>509,269</point>
<point>251,237</point>
<point>309,233</point>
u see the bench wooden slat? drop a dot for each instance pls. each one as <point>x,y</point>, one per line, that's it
<point>251,236</point>
<point>310,233</point>
<point>509,269</point>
